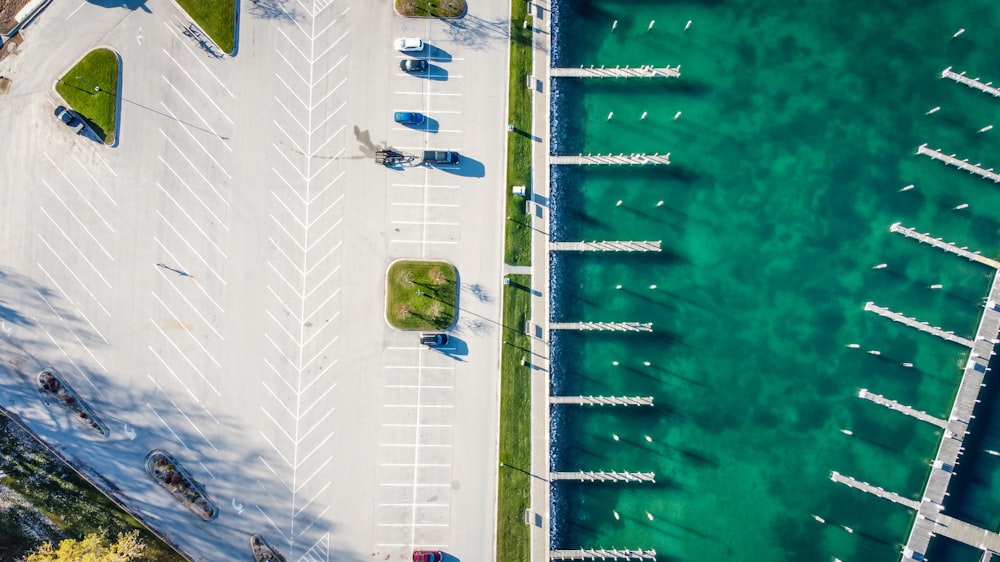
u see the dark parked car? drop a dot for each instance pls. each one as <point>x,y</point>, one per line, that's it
<point>70,118</point>
<point>440,157</point>
<point>413,65</point>
<point>434,340</point>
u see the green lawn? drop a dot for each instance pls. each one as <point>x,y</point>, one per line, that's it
<point>517,235</point>
<point>217,18</point>
<point>514,486</point>
<point>421,295</point>
<point>91,88</point>
<point>76,507</point>
<point>431,8</point>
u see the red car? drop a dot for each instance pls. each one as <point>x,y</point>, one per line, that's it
<point>427,556</point>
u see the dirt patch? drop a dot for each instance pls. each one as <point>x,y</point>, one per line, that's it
<point>10,46</point>
<point>4,84</point>
<point>8,9</point>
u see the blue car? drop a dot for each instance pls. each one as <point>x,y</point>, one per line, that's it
<point>408,117</point>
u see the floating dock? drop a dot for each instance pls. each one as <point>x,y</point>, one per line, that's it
<point>902,408</point>
<point>874,490</point>
<point>603,554</point>
<point>976,169</point>
<point>961,78</point>
<point>603,326</point>
<point>645,71</point>
<point>607,246</point>
<point>914,323</point>
<point>946,246</point>
<point>603,476</point>
<point>611,159</point>
<point>603,400</point>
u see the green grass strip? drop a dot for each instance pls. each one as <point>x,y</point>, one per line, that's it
<point>217,18</point>
<point>421,295</point>
<point>73,505</point>
<point>431,8</point>
<point>91,88</point>
<point>517,234</point>
<point>514,485</point>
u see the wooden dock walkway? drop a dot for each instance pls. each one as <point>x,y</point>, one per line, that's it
<point>603,476</point>
<point>902,408</point>
<point>638,159</point>
<point>914,323</point>
<point>608,246</point>
<point>603,554</point>
<point>976,169</point>
<point>929,519</point>
<point>644,71</point>
<point>603,326</point>
<point>874,490</point>
<point>961,78</point>
<point>603,400</point>
<point>946,246</point>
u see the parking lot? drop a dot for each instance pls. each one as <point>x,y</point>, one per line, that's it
<point>214,285</point>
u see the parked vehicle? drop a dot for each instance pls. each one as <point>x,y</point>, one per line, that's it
<point>433,340</point>
<point>440,157</point>
<point>427,556</point>
<point>71,118</point>
<point>408,117</point>
<point>413,65</point>
<point>408,44</point>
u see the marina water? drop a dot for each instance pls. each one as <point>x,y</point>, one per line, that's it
<point>792,132</point>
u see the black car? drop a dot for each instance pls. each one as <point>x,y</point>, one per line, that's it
<point>434,340</point>
<point>413,65</point>
<point>70,118</point>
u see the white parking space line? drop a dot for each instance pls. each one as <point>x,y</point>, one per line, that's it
<point>447,205</point>
<point>410,484</point>
<point>192,166</point>
<point>77,190</point>
<point>180,263</point>
<point>189,217</point>
<point>188,244</point>
<point>407,93</point>
<point>432,387</point>
<point>184,356</point>
<point>177,437</point>
<point>211,99</point>
<point>94,180</point>
<point>187,129</point>
<point>423,185</point>
<point>73,273</point>
<point>412,524</point>
<point>78,221</point>
<point>430,425</point>
<point>73,13</point>
<point>424,241</point>
<point>75,247</point>
<point>167,395</point>
<point>189,332</point>
<point>180,40</point>
<point>68,358</point>
<point>196,112</point>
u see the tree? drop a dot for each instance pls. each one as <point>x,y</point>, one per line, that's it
<point>91,548</point>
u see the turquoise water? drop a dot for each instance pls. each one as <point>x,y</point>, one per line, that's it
<point>798,127</point>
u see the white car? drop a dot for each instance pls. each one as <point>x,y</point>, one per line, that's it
<point>407,44</point>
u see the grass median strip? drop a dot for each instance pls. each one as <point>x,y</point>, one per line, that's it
<point>514,481</point>
<point>517,234</point>
<point>67,505</point>
<point>91,88</point>
<point>217,18</point>
<point>421,295</point>
<point>431,8</point>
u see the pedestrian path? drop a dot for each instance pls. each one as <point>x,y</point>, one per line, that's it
<point>901,408</point>
<point>603,554</point>
<point>914,323</point>
<point>952,160</point>
<point>604,476</point>
<point>946,246</point>
<point>603,326</point>
<point>603,400</point>
<point>610,159</point>
<point>608,246</point>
